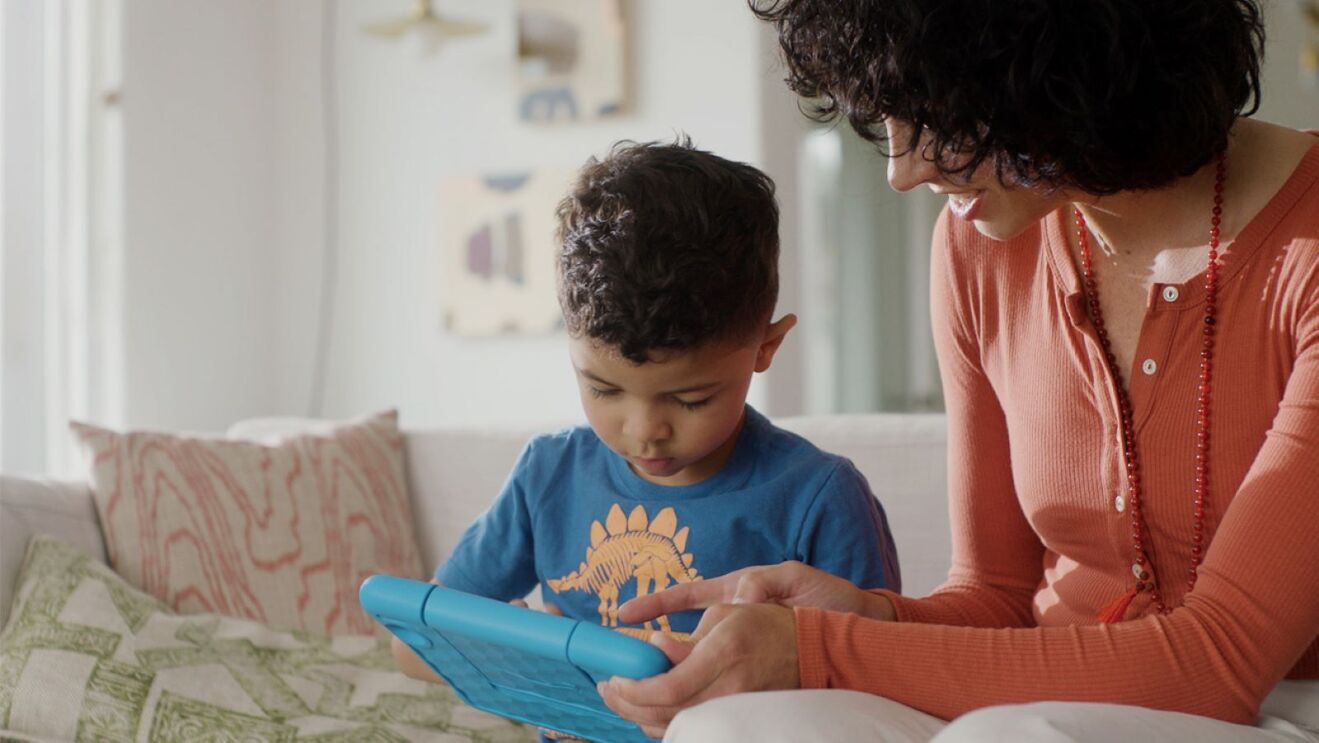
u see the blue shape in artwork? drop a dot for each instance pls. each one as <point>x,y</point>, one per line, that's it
<point>506,183</point>
<point>544,105</point>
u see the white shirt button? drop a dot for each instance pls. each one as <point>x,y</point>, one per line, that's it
<point>1170,294</point>
<point>1120,504</point>
<point>1149,366</point>
<point>1137,571</point>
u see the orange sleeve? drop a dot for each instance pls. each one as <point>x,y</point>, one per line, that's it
<point>1250,618</point>
<point>997,557</point>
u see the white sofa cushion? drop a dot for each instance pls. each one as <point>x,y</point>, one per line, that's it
<point>454,475</point>
<point>32,507</point>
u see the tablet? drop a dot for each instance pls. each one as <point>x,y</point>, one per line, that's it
<point>514,662</point>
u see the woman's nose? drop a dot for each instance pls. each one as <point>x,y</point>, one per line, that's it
<point>908,165</point>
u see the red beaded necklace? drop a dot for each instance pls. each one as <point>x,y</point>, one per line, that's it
<point>1145,581</point>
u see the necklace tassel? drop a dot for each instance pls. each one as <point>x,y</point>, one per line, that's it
<point>1116,609</point>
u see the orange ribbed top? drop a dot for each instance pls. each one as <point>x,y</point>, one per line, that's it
<point>1034,466</point>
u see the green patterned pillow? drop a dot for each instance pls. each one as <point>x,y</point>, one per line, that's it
<point>85,656</point>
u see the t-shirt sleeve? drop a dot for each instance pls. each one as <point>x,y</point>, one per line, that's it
<point>496,556</point>
<point>846,533</point>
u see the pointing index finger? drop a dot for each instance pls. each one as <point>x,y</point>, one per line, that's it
<point>701,594</point>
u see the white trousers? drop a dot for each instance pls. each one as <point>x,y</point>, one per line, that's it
<point>1291,713</point>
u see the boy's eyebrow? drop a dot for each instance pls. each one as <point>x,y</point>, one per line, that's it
<point>694,388</point>
<point>595,378</point>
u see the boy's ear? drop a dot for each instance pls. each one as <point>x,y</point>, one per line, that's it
<point>773,339</point>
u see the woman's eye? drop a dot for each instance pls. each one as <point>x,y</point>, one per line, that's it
<point>597,392</point>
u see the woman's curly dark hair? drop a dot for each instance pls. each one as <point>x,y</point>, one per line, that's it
<point>1098,95</point>
<point>667,247</point>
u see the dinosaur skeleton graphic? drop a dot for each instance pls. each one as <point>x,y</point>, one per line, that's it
<point>629,547</point>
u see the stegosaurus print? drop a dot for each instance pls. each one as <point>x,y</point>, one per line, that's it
<point>631,547</point>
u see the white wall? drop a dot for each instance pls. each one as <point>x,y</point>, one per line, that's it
<point>406,121</point>
<point>199,279</point>
<point>1285,99</point>
<point>224,172</point>
<point>224,198</point>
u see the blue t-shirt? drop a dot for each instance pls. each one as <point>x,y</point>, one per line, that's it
<point>575,518</point>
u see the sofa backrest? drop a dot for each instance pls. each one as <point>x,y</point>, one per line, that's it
<point>39,506</point>
<point>455,473</point>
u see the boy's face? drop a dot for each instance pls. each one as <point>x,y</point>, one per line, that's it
<point>672,418</point>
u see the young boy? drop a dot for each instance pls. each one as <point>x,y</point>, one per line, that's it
<point>668,276</point>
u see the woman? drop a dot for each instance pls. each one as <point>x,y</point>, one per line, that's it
<point>1126,305</point>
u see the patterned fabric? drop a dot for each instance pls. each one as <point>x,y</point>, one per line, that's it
<point>87,657</point>
<point>279,534</point>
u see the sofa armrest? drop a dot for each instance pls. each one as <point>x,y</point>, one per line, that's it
<point>29,507</point>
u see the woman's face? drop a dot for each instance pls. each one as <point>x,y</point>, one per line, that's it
<point>997,211</point>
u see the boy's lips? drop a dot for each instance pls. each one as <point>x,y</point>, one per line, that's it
<point>653,465</point>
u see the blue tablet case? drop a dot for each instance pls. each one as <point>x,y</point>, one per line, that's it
<point>514,662</point>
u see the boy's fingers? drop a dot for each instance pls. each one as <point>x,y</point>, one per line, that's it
<point>553,609</point>
<point>519,602</point>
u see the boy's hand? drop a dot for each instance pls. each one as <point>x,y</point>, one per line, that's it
<point>410,663</point>
<point>548,609</point>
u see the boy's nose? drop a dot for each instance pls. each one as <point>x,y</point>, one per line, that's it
<point>645,427</point>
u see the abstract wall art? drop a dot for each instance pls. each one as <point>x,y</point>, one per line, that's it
<point>571,60</point>
<point>498,253</point>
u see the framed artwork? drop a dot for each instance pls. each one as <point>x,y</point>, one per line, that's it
<point>571,60</point>
<point>498,253</point>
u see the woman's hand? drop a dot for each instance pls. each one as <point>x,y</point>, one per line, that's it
<point>751,647</point>
<point>786,584</point>
<point>747,640</point>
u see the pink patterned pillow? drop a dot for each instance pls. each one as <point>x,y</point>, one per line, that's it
<point>280,534</point>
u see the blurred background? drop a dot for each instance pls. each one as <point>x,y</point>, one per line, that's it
<point>222,209</point>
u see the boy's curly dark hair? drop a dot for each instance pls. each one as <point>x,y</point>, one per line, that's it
<point>1099,95</point>
<point>664,246</point>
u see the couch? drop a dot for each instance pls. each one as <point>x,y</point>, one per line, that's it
<point>454,473</point>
